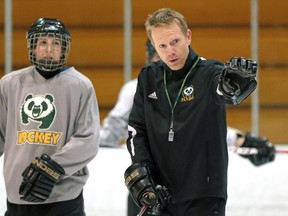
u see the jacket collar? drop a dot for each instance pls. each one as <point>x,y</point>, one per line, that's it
<point>192,57</point>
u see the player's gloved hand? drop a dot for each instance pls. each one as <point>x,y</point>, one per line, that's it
<point>241,66</point>
<point>266,150</point>
<point>156,200</point>
<point>143,189</point>
<point>237,80</point>
<point>39,179</point>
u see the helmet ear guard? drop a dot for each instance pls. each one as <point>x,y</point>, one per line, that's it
<point>52,28</point>
<point>150,51</point>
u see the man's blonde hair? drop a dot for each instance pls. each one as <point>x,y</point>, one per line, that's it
<point>164,17</point>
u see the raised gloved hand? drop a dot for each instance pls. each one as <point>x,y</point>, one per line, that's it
<point>237,80</point>
<point>39,179</point>
<point>143,189</point>
<point>266,150</point>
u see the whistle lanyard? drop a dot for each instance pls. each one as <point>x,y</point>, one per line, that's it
<point>171,128</point>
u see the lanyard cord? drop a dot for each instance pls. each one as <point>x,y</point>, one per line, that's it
<point>171,129</point>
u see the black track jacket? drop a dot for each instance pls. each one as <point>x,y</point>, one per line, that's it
<point>194,165</point>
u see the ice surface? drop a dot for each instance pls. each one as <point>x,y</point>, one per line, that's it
<point>252,191</point>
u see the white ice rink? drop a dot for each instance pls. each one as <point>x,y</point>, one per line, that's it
<point>253,191</point>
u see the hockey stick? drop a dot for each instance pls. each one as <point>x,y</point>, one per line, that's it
<point>283,151</point>
<point>250,151</point>
<point>143,209</point>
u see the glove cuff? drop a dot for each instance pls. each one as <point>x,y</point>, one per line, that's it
<point>49,168</point>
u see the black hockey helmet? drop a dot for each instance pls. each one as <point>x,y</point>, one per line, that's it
<point>150,51</point>
<point>48,27</point>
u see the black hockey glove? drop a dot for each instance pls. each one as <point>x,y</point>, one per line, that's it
<point>266,151</point>
<point>144,191</point>
<point>39,179</point>
<point>237,80</point>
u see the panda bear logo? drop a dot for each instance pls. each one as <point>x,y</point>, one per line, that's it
<point>38,109</point>
<point>188,91</point>
<point>187,94</point>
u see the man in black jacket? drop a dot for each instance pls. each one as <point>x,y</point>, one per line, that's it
<point>177,126</point>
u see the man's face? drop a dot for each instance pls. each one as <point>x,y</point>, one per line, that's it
<point>48,49</point>
<point>171,45</point>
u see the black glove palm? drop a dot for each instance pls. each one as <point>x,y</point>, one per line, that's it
<point>237,80</point>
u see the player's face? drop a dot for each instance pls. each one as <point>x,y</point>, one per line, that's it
<point>171,45</point>
<point>48,48</point>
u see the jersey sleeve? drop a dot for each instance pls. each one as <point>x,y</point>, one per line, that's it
<point>83,145</point>
<point>115,125</point>
<point>3,117</point>
<point>232,135</point>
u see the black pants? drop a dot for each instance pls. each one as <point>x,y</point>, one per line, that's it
<point>73,207</point>
<point>209,206</point>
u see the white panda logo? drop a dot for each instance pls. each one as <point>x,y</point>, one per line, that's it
<point>188,91</point>
<point>39,109</point>
<point>187,94</point>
